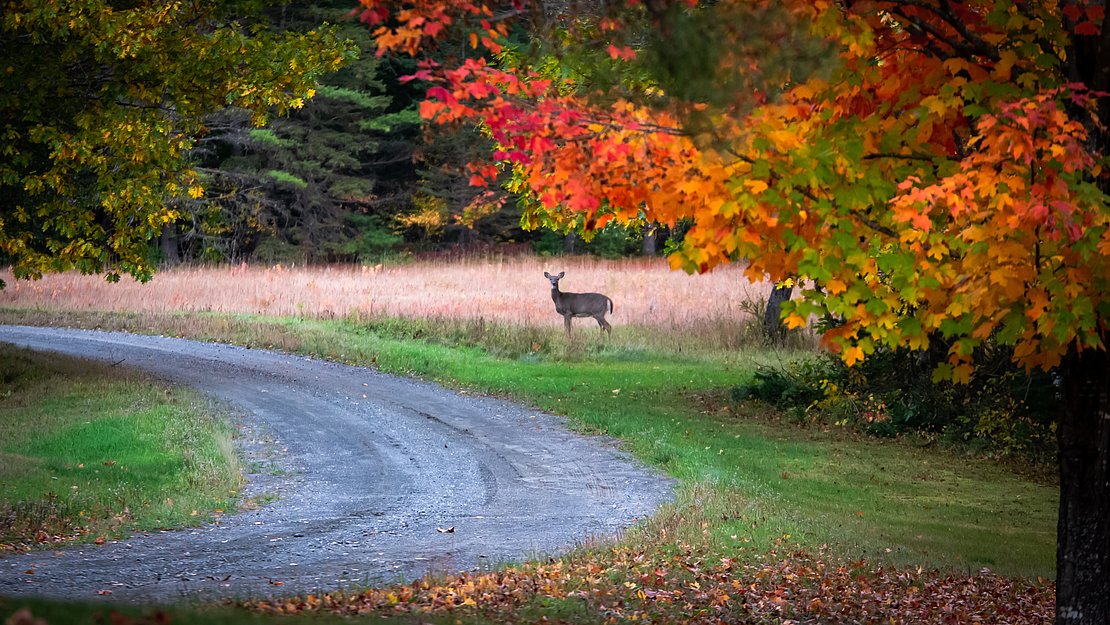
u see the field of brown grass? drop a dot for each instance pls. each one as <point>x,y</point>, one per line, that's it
<point>646,292</point>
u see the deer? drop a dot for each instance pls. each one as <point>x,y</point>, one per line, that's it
<point>571,305</point>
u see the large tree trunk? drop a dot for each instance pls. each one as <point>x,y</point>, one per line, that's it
<point>1083,533</point>
<point>1083,430</point>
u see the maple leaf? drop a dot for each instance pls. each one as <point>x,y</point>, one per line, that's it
<point>836,286</point>
<point>624,53</point>
<point>1087,28</point>
<point>794,321</point>
<point>852,355</point>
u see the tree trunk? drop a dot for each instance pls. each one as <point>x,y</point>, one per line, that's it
<point>651,239</point>
<point>570,243</point>
<point>168,245</point>
<point>773,330</point>
<point>1083,532</point>
<point>1083,430</point>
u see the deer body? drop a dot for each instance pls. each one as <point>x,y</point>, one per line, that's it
<point>571,305</point>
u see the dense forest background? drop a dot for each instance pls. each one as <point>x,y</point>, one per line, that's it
<point>352,176</point>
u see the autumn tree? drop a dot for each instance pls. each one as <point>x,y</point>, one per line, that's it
<point>99,103</point>
<point>930,171</point>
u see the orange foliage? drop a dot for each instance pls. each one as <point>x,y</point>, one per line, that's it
<point>939,180</point>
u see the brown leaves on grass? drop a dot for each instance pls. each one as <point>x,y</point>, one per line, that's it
<point>24,526</point>
<point>690,588</point>
<point>23,616</point>
<point>50,521</point>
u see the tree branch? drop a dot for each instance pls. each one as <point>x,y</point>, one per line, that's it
<point>908,157</point>
<point>965,50</point>
<point>984,48</point>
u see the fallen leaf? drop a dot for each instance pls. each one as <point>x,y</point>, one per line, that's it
<point>23,616</point>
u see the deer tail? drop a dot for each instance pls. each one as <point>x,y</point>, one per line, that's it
<point>610,305</point>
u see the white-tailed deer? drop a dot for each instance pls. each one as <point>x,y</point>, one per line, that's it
<point>571,305</point>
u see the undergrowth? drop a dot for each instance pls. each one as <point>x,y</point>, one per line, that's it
<point>1004,412</point>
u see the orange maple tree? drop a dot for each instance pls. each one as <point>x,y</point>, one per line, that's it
<point>929,170</point>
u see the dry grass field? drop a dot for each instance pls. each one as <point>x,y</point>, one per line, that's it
<point>511,290</point>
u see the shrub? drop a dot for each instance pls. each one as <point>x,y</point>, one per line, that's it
<point>797,383</point>
<point>1002,411</point>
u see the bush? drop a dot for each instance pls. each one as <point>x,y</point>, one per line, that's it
<point>798,383</point>
<point>612,241</point>
<point>1002,411</point>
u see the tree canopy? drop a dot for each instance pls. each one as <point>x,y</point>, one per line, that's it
<point>101,101</point>
<point>935,180</point>
<point>930,171</point>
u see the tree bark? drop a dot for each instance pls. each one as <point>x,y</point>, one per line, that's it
<point>651,238</point>
<point>1083,532</point>
<point>570,243</point>
<point>1083,430</point>
<point>168,245</point>
<point>773,330</point>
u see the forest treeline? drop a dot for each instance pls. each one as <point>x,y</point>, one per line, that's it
<point>352,176</point>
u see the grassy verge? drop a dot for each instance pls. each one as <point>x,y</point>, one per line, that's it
<point>746,485</point>
<point>769,519</point>
<point>41,612</point>
<point>90,452</point>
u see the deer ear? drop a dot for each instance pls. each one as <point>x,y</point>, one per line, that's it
<point>561,274</point>
<point>547,275</point>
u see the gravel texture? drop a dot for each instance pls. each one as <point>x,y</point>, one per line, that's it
<point>366,471</point>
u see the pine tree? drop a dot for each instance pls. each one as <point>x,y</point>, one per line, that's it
<point>313,186</point>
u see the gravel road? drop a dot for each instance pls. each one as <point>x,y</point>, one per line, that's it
<point>372,467</point>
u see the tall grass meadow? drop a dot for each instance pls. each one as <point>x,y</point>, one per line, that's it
<point>503,303</point>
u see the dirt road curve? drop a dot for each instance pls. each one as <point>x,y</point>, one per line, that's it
<point>371,468</point>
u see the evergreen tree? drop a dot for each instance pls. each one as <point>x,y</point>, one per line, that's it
<point>318,185</point>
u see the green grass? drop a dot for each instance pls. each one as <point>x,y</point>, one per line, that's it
<point>752,482</point>
<point>91,451</point>
<point>89,613</point>
<point>748,482</point>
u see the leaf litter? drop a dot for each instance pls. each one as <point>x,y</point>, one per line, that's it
<point>620,585</point>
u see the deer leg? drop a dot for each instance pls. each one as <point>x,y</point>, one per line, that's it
<point>566,323</point>
<point>603,324</point>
